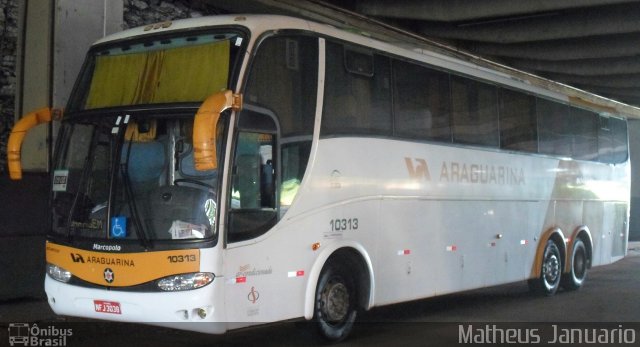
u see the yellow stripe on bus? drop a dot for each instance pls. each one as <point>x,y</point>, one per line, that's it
<point>124,269</point>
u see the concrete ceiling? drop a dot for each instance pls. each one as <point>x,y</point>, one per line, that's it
<point>593,45</point>
<point>590,44</point>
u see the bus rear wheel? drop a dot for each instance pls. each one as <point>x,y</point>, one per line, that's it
<point>548,281</point>
<point>576,276</point>
<point>336,302</point>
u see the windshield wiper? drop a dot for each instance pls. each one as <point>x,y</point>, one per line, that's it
<point>119,131</point>
<point>75,198</point>
<point>131,200</point>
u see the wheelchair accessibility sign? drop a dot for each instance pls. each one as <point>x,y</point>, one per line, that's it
<point>118,227</point>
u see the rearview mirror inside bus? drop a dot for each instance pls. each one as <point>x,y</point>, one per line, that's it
<point>204,127</point>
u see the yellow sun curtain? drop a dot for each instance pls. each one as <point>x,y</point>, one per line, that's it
<point>173,75</point>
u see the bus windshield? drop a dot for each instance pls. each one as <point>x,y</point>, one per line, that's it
<point>165,70</point>
<point>132,178</point>
<point>124,167</point>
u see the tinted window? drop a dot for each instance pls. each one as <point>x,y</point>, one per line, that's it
<point>475,112</point>
<point>421,102</point>
<point>612,140</point>
<point>605,141</point>
<point>282,85</point>
<point>585,134</point>
<point>253,210</point>
<point>354,102</point>
<point>619,140</point>
<point>554,127</point>
<point>428,104</point>
<point>518,121</point>
<point>284,79</point>
<point>294,157</point>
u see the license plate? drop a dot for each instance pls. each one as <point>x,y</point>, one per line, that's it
<point>107,306</point>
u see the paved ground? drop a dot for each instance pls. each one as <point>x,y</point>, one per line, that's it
<point>609,298</point>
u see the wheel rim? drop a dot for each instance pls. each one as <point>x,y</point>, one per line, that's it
<point>334,301</point>
<point>551,270</point>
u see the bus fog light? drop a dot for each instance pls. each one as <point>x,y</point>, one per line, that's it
<point>185,281</point>
<point>202,313</point>
<point>58,273</point>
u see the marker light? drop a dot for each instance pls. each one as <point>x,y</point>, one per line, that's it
<point>185,281</point>
<point>58,273</point>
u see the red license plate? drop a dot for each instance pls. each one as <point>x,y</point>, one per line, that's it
<point>107,306</point>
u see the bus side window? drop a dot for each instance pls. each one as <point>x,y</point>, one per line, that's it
<point>253,211</point>
<point>247,181</point>
<point>612,140</point>
<point>280,98</point>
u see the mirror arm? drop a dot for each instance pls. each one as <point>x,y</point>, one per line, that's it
<point>19,131</point>
<point>204,127</point>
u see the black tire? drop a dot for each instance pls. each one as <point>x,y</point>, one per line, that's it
<point>336,302</point>
<point>548,282</point>
<point>574,279</point>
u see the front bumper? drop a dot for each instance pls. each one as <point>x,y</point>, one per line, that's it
<point>180,310</point>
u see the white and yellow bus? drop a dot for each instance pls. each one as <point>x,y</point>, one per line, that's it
<point>222,172</point>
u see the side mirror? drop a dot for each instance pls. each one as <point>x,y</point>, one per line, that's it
<point>204,127</point>
<point>19,131</point>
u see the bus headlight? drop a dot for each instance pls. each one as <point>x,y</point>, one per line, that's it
<point>185,281</point>
<point>58,273</point>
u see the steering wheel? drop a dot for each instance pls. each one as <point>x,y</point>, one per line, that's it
<point>178,182</point>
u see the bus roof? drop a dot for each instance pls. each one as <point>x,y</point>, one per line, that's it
<point>396,41</point>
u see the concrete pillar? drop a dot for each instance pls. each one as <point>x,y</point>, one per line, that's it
<point>57,35</point>
<point>34,78</point>
<point>77,25</point>
<point>634,156</point>
<point>54,39</point>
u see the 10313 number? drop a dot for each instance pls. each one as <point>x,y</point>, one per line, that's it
<point>181,258</point>
<point>344,224</point>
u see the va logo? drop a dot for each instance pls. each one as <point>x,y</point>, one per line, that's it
<point>77,258</point>
<point>418,169</point>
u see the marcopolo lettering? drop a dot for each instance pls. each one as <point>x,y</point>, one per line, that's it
<point>99,247</point>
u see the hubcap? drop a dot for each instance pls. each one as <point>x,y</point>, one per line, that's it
<point>551,270</point>
<point>335,301</point>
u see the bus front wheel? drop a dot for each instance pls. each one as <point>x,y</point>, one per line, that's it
<point>548,280</point>
<point>335,303</point>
